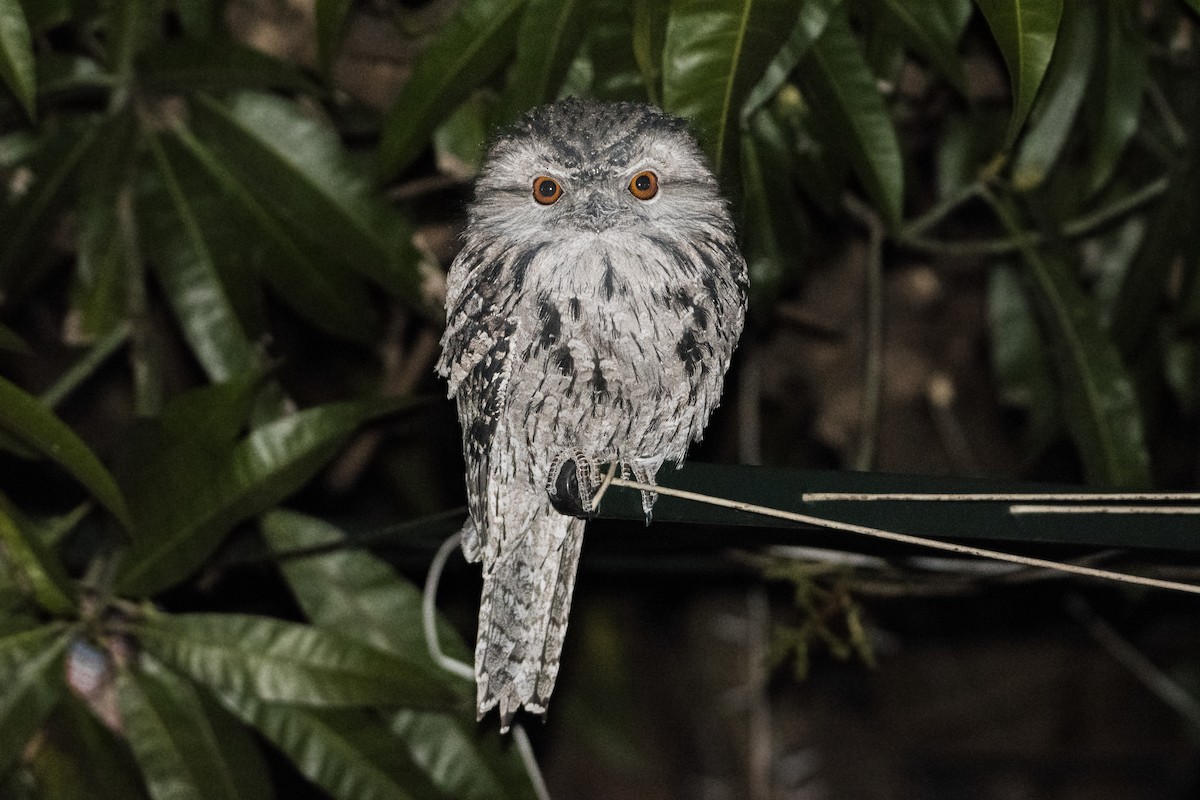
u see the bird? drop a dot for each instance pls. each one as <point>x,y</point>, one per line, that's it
<point>591,315</point>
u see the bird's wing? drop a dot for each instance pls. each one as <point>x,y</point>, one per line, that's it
<point>475,358</point>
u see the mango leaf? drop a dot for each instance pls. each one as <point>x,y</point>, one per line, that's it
<point>42,15</point>
<point>548,40</point>
<point>357,593</point>
<point>16,54</point>
<point>774,228</point>
<point>267,659</point>
<point>462,763</point>
<point>11,342</point>
<point>713,57</point>
<point>331,20</point>
<point>27,222</point>
<point>36,427</point>
<point>329,298</point>
<point>186,750</point>
<point>1099,404</point>
<point>1137,308</point>
<point>608,56</point>
<point>298,169</point>
<point>1025,31</point>
<point>186,65</point>
<point>814,16</point>
<point>649,38</point>
<point>189,277</point>
<point>458,142</point>
<point>1067,80</point>
<point>36,564</point>
<point>1115,105</point>
<point>77,758</point>
<point>101,292</point>
<point>1020,358</point>
<point>348,753</point>
<point>472,45</point>
<point>930,29</point>
<point>30,686</point>
<point>837,82</point>
<point>179,529</point>
<point>353,591</point>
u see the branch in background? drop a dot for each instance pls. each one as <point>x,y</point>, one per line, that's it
<point>868,444</point>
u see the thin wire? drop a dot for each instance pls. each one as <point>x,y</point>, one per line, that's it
<point>920,541</point>
<point>429,612</point>
<point>1098,509</point>
<point>463,670</point>
<point>1009,497</point>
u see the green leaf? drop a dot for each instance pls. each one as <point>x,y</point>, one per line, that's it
<point>30,686</point>
<point>1099,404</point>
<point>11,341</point>
<point>852,117</point>
<point>267,659</point>
<point>28,221</point>
<point>649,38</point>
<point>359,594</point>
<point>1025,31</point>
<point>16,54</point>
<point>186,749</point>
<point>185,267</point>
<point>814,16</point>
<point>353,591</point>
<point>461,762</point>
<point>471,46</point>
<point>774,229</point>
<point>548,40</point>
<point>101,291</point>
<point>42,15</point>
<point>298,168</point>
<point>607,68</point>
<point>1020,357</point>
<point>188,65</point>
<point>1066,82</point>
<point>36,564</point>
<point>349,753</point>
<point>331,20</point>
<point>1114,108</point>
<point>333,300</point>
<point>36,427</point>
<point>932,30</point>
<point>77,758</point>
<point>180,526</point>
<point>1136,313</point>
<point>713,57</point>
<point>458,142</point>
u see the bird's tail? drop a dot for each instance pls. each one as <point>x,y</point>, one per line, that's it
<point>523,616</point>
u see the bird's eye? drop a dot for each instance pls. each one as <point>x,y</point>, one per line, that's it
<point>644,185</point>
<point>546,190</point>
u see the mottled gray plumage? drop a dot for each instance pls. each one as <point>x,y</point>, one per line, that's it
<point>593,330</point>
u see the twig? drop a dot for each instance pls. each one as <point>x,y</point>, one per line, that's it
<point>919,541</point>
<point>1000,497</point>
<point>868,442</point>
<point>1077,228</point>
<point>1158,682</point>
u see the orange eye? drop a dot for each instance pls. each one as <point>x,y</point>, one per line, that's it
<point>546,190</point>
<point>644,185</point>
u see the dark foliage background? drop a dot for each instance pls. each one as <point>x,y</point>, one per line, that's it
<point>225,461</point>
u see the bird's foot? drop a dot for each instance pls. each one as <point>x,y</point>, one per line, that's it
<point>572,485</point>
